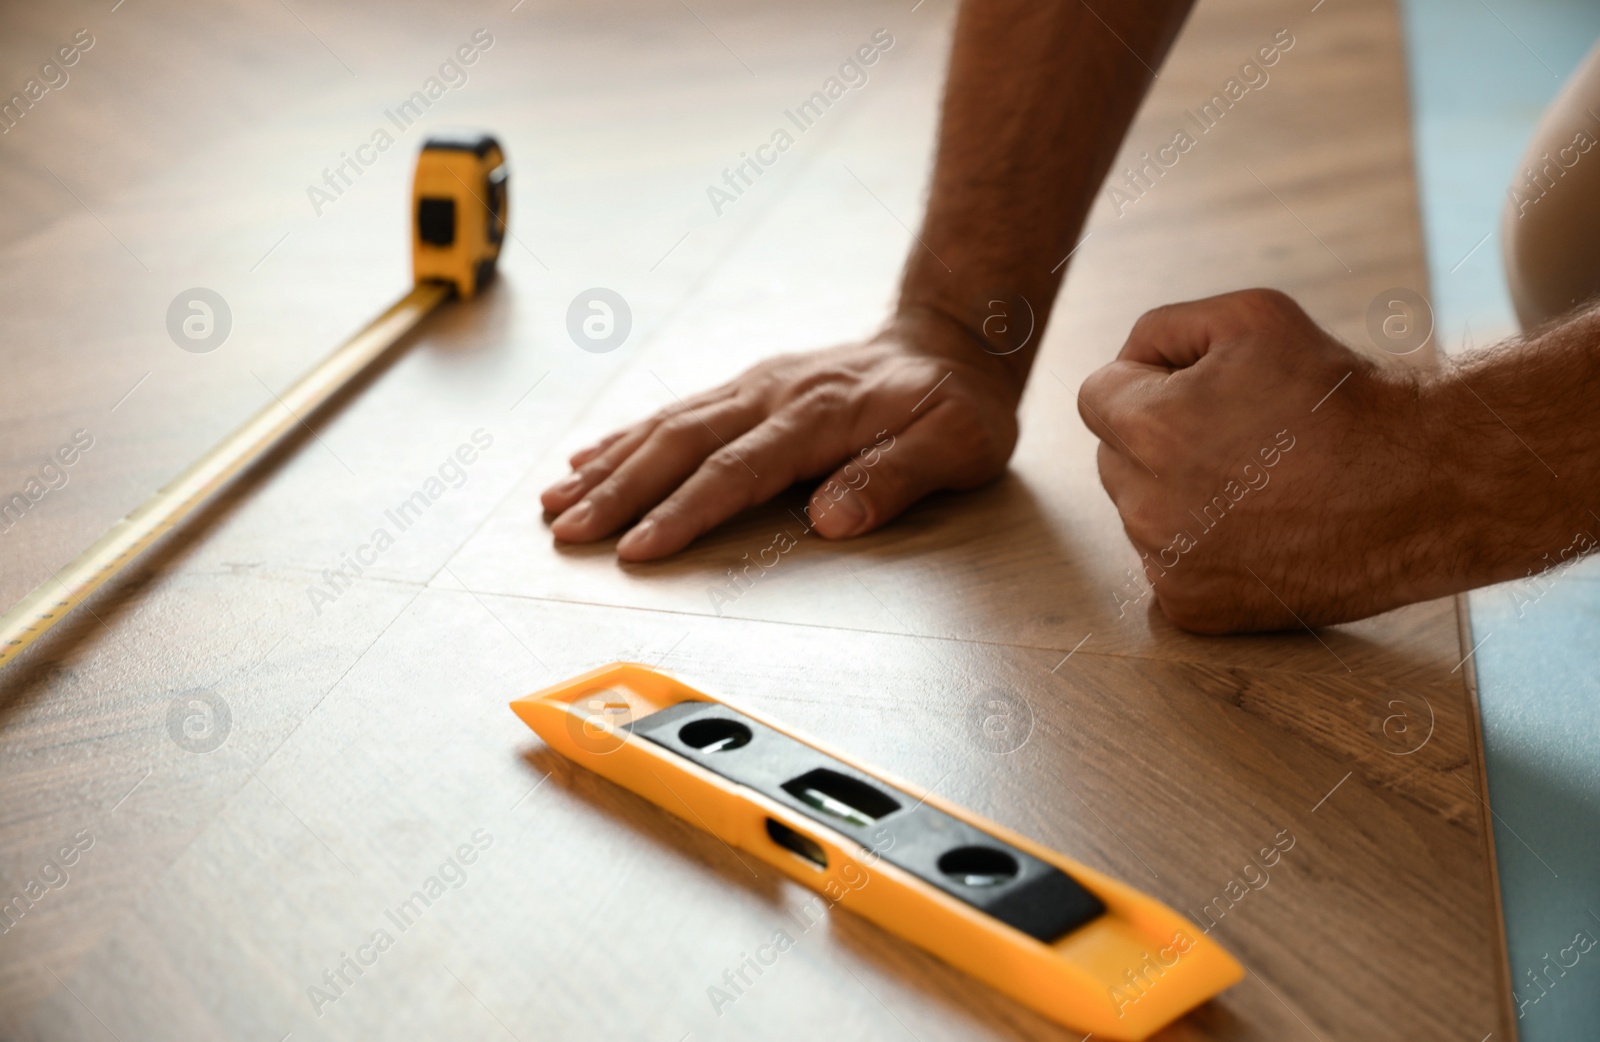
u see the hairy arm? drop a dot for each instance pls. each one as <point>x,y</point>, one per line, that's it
<point>1271,477</point>
<point>1037,101</point>
<point>1523,419</point>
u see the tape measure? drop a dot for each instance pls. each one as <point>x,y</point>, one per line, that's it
<point>1083,949</point>
<point>459,212</point>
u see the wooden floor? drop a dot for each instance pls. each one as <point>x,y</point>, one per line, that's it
<point>366,741</point>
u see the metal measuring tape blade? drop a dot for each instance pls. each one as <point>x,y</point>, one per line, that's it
<point>458,220</point>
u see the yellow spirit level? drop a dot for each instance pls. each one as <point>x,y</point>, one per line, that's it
<point>458,219</point>
<point>1079,947</point>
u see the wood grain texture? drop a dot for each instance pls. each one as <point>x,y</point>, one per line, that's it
<point>369,739</point>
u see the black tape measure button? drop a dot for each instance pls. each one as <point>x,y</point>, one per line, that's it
<point>436,220</point>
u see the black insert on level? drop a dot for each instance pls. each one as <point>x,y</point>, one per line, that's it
<point>990,875</point>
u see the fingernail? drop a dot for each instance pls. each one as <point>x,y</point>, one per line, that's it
<point>567,485</point>
<point>576,517</point>
<point>638,537</point>
<point>840,519</point>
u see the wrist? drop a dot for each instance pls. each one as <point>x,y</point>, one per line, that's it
<point>946,333</point>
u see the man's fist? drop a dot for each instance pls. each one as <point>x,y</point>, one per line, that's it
<point>917,409</point>
<point>1269,476</point>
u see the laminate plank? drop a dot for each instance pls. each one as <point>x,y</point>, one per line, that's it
<point>584,882</point>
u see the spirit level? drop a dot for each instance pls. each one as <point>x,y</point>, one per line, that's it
<point>458,220</point>
<point>1079,947</point>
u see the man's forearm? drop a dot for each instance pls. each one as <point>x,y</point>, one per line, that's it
<point>1038,99</point>
<point>1522,424</point>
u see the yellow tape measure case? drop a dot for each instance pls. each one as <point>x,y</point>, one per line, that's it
<point>459,200</point>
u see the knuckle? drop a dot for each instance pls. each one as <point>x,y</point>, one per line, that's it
<point>1154,317</point>
<point>1264,304</point>
<point>1109,404</point>
<point>1148,432</point>
<point>1097,388</point>
<point>780,377</point>
<point>605,498</point>
<point>1153,324</point>
<point>679,425</point>
<point>725,463</point>
<point>665,413</point>
<point>824,398</point>
<point>856,477</point>
<point>1126,429</point>
<point>674,511</point>
<point>1143,519</point>
<point>594,472</point>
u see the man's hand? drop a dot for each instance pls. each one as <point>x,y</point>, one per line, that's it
<point>1270,476</point>
<point>1005,210</point>
<point>917,409</point>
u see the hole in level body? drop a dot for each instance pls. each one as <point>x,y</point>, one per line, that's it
<point>979,866</point>
<point>797,843</point>
<point>841,796</point>
<point>714,735</point>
